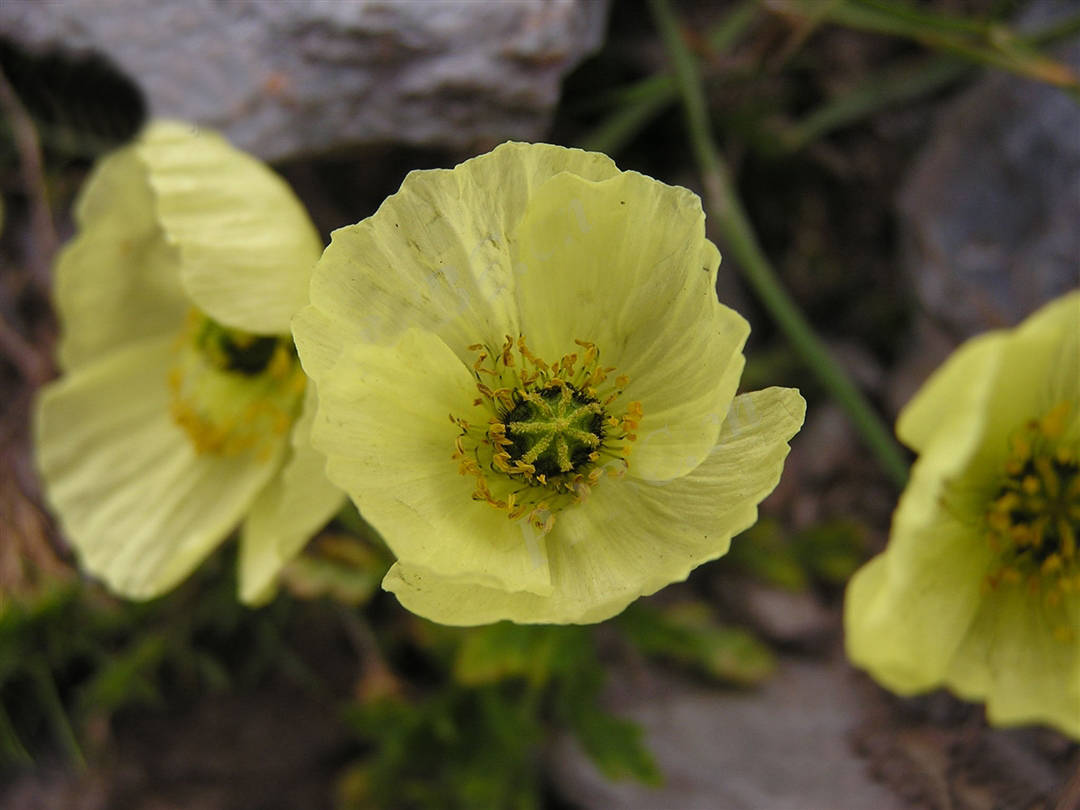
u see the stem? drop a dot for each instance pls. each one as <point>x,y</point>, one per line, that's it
<point>727,210</point>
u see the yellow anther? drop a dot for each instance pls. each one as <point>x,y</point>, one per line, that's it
<point>1021,447</point>
<point>1067,538</point>
<point>1021,534</point>
<point>1051,565</point>
<point>1051,483</point>
<point>1052,425</point>
<point>1033,521</point>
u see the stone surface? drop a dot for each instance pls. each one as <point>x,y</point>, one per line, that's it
<point>289,78</point>
<point>783,747</point>
<point>989,214</point>
<point>793,618</point>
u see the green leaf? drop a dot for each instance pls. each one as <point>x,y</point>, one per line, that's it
<point>11,747</point>
<point>455,749</point>
<point>764,552</point>
<point>616,746</point>
<point>127,678</point>
<point>832,551</point>
<point>505,650</point>
<point>687,634</point>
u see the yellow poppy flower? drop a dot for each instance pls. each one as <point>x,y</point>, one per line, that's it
<point>979,588</point>
<point>527,385</point>
<point>181,411</point>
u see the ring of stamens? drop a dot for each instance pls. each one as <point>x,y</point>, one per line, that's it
<point>544,433</point>
<point>1033,520</point>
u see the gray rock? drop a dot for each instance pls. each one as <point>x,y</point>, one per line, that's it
<point>301,77</point>
<point>990,213</point>
<point>795,618</point>
<point>783,747</point>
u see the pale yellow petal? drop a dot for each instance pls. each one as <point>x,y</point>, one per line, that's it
<point>991,386</point>
<point>247,246</point>
<point>1040,368</point>
<point>117,280</point>
<point>953,400</point>
<point>435,255</point>
<point>140,506</point>
<point>290,509</point>
<point>384,425</point>
<point>619,263</point>
<point>631,538</point>
<point>907,611</point>
<point>1022,657</point>
<point>710,259</point>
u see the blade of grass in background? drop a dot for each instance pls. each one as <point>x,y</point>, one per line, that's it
<point>726,210</point>
<point>636,105</point>
<point>622,126</point>
<point>986,43</point>
<point>901,83</point>
<point>878,91</point>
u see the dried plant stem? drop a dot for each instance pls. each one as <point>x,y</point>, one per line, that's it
<point>28,146</point>
<point>1070,794</point>
<point>22,355</point>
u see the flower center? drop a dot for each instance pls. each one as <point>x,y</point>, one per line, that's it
<point>1034,518</point>
<point>544,434</point>
<point>233,391</point>
<point>554,430</point>
<point>233,350</point>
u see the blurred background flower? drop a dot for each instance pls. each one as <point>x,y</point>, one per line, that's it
<point>179,413</point>
<point>979,588</point>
